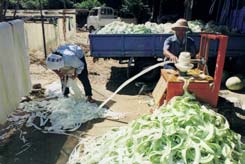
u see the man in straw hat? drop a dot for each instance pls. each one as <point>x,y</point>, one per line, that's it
<point>179,42</point>
<point>68,59</point>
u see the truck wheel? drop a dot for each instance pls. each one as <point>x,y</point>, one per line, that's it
<point>91,29</point>
<point>130,72</point>
<point>130,68</point>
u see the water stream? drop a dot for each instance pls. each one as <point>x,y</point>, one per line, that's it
<point>133,78</point>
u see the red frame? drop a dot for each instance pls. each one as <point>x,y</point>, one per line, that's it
<point>205,92</point>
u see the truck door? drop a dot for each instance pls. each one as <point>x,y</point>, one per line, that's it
<point>92,20</point>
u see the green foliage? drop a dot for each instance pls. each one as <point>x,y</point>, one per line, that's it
<point>132,7</point>
<point>27,4</point>
<point>137,8</point>
<point>87,4</point>
<point>47,4</point>
<point>60,4</point>
<point>31,4</point>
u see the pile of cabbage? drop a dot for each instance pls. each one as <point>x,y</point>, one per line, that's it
<point>210,27</point>
<point>118,27</point>
<point>182,132</point>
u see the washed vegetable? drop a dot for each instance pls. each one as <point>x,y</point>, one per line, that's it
<point>234,83</point>
<point>182,132</point>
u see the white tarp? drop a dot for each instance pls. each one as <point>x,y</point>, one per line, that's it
<point>22,57</point>
<point>14,67</point>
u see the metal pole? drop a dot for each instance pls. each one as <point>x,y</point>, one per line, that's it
<point>43,30</point>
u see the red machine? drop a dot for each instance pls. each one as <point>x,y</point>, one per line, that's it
<point>205,91</point>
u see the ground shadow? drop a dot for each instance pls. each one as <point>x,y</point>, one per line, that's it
<point>234,115</point>
<point>107,105</point>
<point>89,125</point>
<point>44,148</point>
<point>119,76</point>
<point>41,148</point>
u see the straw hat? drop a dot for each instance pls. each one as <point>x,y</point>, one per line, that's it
<point>180,23</point>
<point>54,62</point>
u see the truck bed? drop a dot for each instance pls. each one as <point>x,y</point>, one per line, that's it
<point>150,45</point>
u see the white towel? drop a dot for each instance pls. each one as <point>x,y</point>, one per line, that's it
<point>21,56</point>
<point>14,67</point>
<point>7,74</point>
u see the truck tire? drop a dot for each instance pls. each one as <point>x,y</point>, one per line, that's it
<point>130,68</point>
<point>91,29</point>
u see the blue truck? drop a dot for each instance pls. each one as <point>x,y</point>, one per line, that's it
<point>142,50</point>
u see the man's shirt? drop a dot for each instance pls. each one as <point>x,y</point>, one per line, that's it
<point>72,54</point>
<point>174,45</point>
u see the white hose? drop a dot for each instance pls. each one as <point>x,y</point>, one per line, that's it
<point>133,78</point>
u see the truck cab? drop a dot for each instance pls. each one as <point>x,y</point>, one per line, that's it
<point>100,16</point>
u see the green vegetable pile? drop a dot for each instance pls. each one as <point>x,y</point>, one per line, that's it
<point>117,27</point>
<point>197,26</point>
<point>183,132</point>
